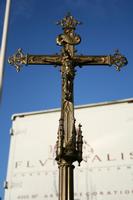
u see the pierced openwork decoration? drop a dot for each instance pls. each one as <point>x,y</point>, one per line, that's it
<point>118,60</point>
<point>68,22</point>
<point>70,140</point>
<point>18,59</point>
<point>68,61</point>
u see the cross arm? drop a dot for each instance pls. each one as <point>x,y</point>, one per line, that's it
<point>19,59</point>
<point>117,60</point>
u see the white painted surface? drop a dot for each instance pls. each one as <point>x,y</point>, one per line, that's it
<point>4,43</point>
<point>107,170</point>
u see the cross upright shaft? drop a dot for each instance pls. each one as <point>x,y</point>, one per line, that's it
<point>69,141</point>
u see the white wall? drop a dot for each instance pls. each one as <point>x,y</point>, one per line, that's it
<point>106,173</point>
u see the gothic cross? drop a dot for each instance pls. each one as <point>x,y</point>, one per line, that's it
<point>69,140</point>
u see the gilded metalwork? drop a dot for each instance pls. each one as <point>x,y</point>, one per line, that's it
<point>43,60</point>
<point>18,59</point>
<point>118,60</point>
<point>68,22</point>
<point>69,139</point>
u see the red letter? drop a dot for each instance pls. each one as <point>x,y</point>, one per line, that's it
<point>109,159</point>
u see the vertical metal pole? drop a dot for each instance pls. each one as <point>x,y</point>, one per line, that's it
<point>67,135</point>
<point>69,143</point>
<point>66,185</point>
<point>3,44</point>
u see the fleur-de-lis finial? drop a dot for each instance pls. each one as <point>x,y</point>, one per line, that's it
<point>118,60</point>
<point>18,59</point>
<point>68,22</point>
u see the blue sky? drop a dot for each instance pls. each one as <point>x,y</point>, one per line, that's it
<point>107,25</point>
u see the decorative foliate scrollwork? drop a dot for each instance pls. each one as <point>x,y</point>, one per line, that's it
<point>18,59</point>
<point>69,142</point>
<point>68,39</point>
<point>118,60</point>
<point>68,22</point>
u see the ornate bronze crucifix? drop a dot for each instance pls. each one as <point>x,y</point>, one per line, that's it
<point>69,141</point>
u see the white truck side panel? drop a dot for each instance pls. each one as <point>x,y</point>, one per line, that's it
<point>106,172</point>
